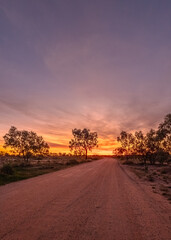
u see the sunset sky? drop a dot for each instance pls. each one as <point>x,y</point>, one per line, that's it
<point>100,64</point>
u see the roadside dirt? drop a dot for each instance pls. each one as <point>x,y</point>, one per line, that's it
<point>100,200</point>
<point>157,177</point>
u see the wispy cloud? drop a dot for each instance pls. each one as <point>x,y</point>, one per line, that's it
<point>101,66</point>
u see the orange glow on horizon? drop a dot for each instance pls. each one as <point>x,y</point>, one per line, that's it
<point>105,146</point>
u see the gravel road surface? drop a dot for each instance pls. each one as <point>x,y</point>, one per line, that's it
<point>93,201</point>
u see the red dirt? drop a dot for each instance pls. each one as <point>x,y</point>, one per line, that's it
<point>92,201</point>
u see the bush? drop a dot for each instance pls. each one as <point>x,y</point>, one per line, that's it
<point>150,178</point>
<point>40,157</point>
<point>25,164</point>
<point>166,170</point>
<point>162,156</point>
<point>128,162</point>
<point>72,161</point>
<point>7,169</point>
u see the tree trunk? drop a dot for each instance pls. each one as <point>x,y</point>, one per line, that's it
<point>86,153</point>
<point>24,157</point>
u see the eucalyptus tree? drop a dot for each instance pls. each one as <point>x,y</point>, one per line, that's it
<point>25,143</point>
<point>83,141</point>
<point>127,142</point>
<point>164,134</point>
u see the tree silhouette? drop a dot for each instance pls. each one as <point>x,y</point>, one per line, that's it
<point>126,140</point>
<point>154,146</point>
<point>83,141</point>
<point>25,143</point>
<point>164,133</point>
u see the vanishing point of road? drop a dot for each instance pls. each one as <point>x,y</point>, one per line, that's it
<point>92,201</point>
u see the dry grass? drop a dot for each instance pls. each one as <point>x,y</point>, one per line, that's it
<point>159,177</point>
<point>22,170</point>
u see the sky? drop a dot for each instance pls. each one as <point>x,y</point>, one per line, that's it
<point>98,64</point>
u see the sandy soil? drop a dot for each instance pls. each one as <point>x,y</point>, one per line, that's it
<point>158,177</point>
<point>92,201</point>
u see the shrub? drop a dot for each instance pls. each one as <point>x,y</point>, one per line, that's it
<point>7,169</point>
<point>162,156</point>
<point>72,161</point>
<point>128,162</point>
<point>150,178</point>
<point>164,171</point>
<point>25,164</point>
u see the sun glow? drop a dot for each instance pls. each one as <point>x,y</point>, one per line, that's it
<point>61,145</point>
<point>105,147</point>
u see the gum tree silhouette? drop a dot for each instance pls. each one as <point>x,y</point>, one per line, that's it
<point>25,143</point>
<point>83,141</point>
<point>155,146</point>
<point>164,133</point>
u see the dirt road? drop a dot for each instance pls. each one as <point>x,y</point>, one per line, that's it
<point>92,201</point>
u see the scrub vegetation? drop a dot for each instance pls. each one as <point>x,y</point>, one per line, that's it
<point>149,156</point>
<point>30,154</point>
<point>150,148</point>
<point>13,168</point>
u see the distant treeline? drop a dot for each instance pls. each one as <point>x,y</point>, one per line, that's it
<point>152,147</point>
<point>27,144</point>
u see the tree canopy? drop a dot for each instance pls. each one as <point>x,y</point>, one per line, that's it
<point>25,143</point>
<point>83,141</point>
<point>155,145</point>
